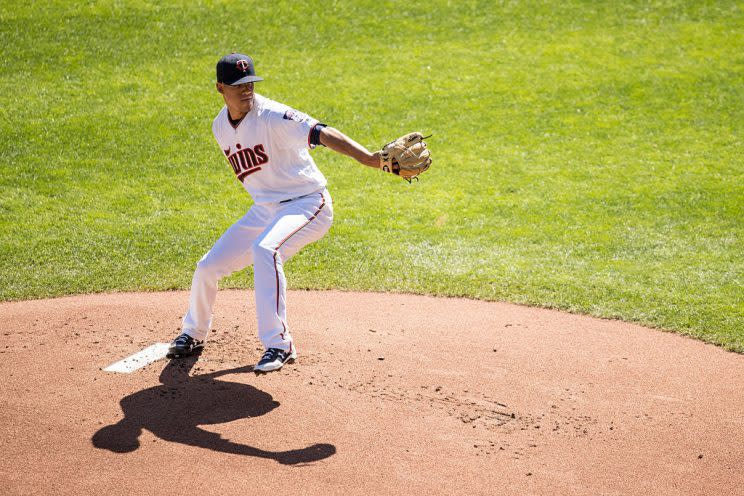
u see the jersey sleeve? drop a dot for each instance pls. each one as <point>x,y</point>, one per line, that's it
<point>291,128</point>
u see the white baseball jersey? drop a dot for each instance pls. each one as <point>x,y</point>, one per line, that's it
<point>268,151</point>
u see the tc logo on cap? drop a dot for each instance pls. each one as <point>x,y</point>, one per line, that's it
<point>242,65</point>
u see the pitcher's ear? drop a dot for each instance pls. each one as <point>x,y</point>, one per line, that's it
<point>219,87</point>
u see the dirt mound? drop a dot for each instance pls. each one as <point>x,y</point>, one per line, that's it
<point>391,394</point>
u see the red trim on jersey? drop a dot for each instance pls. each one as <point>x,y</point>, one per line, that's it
<point>247,173</point>
<point>276,252</point>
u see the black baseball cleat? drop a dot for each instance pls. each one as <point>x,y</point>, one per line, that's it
<point>183,346</point>
<point>273,359</point>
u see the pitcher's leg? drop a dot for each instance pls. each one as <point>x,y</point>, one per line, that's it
<point>297,225</point>
<point>231,252</point>
<point>198,318</point>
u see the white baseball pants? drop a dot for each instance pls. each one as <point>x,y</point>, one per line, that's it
<point>266,236</point>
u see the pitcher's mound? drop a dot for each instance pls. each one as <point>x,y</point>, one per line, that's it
<point>391,394</point>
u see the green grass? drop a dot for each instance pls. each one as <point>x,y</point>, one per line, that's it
<point>588,156</point>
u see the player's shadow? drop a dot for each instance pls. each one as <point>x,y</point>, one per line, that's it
<point>174,411</point>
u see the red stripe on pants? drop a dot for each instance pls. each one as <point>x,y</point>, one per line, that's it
<point>276,252</point>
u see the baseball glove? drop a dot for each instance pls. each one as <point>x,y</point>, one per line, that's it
<point>406,157</point>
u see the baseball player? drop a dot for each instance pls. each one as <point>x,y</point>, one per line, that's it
<point>267,146</point>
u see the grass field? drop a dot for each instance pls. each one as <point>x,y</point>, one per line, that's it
<point>588,155</point>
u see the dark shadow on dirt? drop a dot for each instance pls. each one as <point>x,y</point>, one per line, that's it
<point>174,411</point>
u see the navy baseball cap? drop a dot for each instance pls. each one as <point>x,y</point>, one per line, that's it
<point>235,69</point>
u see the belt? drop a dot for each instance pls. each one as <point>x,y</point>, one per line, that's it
<point>298,197</point>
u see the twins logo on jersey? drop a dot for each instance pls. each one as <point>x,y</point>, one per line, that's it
<point>294,115</point>
<point>246,161</point>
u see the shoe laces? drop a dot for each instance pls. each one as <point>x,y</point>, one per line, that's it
<point>271,354</point>
<point>184,339</point>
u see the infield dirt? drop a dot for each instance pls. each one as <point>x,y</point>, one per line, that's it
<point>391,394</point>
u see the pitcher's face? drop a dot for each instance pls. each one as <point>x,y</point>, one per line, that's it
<point>239,99</point>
